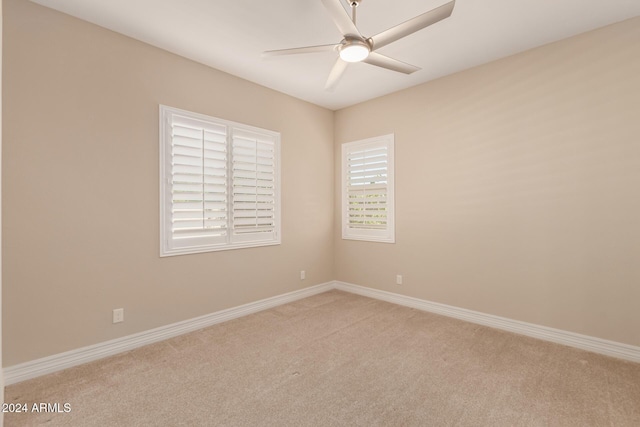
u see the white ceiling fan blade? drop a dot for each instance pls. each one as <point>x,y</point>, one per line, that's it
<point>296,50</point>
<point>341,18</point>
<point>336,73</point>
<point>412,25</point>
<point>378,60</point>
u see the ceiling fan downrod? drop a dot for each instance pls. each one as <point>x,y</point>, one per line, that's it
<point>354,4</point>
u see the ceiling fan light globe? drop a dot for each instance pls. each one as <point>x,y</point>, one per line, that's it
<point>354,52</point>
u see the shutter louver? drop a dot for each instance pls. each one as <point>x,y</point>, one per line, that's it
<point>253,185</point>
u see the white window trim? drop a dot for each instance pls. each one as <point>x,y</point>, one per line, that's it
<point>165,187</point>
<point>386,235</point>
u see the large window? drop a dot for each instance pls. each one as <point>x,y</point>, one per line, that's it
<point>367,190</point>
<point>219,184</point>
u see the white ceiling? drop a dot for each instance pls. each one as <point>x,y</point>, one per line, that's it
<point>230,35</point>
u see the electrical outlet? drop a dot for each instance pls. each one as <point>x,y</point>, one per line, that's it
<point>303,275</point>
<point>118,315</point>
<point>399,279</point>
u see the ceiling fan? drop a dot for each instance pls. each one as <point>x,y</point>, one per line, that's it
<point>356,48</point>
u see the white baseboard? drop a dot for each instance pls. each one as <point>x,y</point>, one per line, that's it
<point>58,362</point>
<point>571,339</point>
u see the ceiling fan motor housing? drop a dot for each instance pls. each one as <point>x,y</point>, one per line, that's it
<point>354,50</point>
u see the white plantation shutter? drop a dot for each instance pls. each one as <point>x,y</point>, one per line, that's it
<point>219,184</point>
<point>253,184</point>
<point>198,181</point>
<point>367,179</point>
<point>367,187</point>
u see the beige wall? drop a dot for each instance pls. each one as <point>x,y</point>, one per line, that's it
<point>81,187</point>
<point>517,187</point>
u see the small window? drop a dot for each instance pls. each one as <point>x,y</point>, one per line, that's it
<point>367,190</point>
<point>219,184</point>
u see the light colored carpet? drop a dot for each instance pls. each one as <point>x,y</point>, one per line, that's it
<point>341,359</point>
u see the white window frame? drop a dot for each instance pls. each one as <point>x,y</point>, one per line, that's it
<point>373,234</point>
<point>170,246</point>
